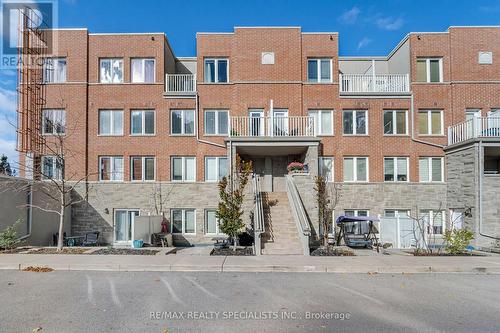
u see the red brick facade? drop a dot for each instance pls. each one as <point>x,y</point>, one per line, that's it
<point>466,84</point>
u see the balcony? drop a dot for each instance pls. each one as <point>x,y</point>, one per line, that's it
<point>180,84</point>
<point>379,84</point>
<point>477,127</point>
<point>292,126</point>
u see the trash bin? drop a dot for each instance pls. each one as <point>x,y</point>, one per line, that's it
<point>138,243</point>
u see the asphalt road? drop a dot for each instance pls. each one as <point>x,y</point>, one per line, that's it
<point>247,302</point>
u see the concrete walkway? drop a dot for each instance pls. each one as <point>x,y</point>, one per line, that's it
<point>284,263</point>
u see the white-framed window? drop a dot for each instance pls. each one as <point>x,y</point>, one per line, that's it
<point>52,167</point>
<point>355,169</point>
<point>142,70</point>
<point>323,121</point>
<point>110,122</point>
<point>53,121</point>
<point>404,213</point>
<point>212,223</point>
<point>319,70</point>
<point>396,169</point>
<point>429,69</point>
<point>434,219</point>
<point>111,168</point>
<point>111,70</point>
<point>215,168</point>
<point>183,221</point>
<point>430,122</point>
<point>471,113</point>
<point>494,112</point>
<point>142,168</point>
<point>355,122</point>
<point>54,70</point>
<point>142,122</point>
<point>182,122</point>
<point>395,122</point>
<point>431,169</point>
<point>326,168</point>
<point>216,70</point>
<point>124,224</point>
<point>183,169</point>
<point>216,122</point>
<point>356,212</point>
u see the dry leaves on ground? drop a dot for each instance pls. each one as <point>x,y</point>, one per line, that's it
<point>38,269</point>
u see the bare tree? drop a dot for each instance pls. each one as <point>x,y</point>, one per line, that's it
<point>421,229</point>
<point>159,198</point>
<point>50,174</point>
<point>327,198</point>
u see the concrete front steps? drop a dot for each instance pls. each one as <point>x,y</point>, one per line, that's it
<point>281,235</point>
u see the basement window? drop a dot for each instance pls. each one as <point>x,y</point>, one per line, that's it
<point>492,161</point>
<point>183,221</point>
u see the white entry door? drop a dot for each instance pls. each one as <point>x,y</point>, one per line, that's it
<point>124,225</point>
<point>280,122</point>
<point>256,122</point>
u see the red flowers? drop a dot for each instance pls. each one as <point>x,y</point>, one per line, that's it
<point>295,166</point>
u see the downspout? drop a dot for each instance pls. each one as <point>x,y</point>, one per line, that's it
<point>198,131</point>
<point>480,191</point>
<point>413,126</point>
<point>87,106</point>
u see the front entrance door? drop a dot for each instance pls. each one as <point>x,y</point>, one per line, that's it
<point>124,225</point>
<point>279,172</point>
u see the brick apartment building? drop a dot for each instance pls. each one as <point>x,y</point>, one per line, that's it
<point>143,122</point>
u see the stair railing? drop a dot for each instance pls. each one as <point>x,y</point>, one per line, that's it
<point>299,213</point>
<point>258,215</point>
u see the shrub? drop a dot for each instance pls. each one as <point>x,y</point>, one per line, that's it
<point>8,237</point>
<point>457,240</point>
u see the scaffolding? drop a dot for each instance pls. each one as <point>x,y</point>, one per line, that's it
<point>32,48</point>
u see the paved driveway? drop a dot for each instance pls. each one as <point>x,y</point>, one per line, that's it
<point>247,302</point>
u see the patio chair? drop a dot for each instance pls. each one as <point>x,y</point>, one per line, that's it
<point>91,239</point>
<point>55,238</point>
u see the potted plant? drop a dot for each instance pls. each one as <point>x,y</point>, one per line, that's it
<point>295,167</point>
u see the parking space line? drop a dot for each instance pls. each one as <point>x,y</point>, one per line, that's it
<point>171,290</point>
<point>199,286</point>
<point>114,294</point>
<point>357,293</point>
<point>90,290</point>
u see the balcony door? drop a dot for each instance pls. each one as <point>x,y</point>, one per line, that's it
<point>256,122</point>
<point>280,122</point>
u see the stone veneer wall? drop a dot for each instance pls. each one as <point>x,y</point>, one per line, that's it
<point>375,197</point>
<point>462,179</point>
<point>92,216</point>
<point>491,210</point>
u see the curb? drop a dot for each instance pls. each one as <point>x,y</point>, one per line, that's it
<point>259,269</point>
